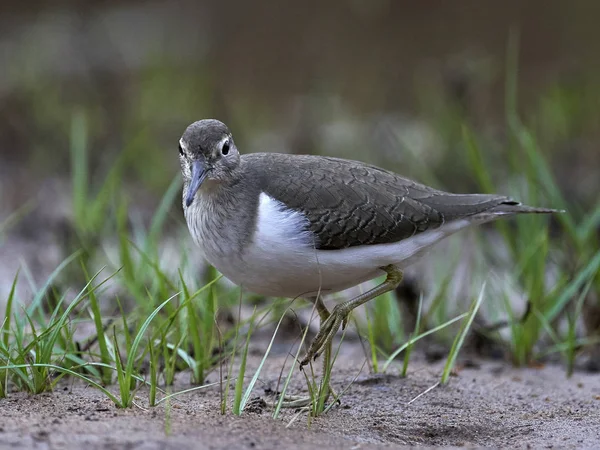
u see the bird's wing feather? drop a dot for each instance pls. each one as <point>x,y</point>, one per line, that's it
<point>349,203</point>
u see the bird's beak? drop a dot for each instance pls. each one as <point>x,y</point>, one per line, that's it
<point>199,172</point>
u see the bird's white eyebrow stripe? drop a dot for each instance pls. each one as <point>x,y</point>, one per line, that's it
<point>222,142</point>
<point>218,148</point>
<point>183,144</point>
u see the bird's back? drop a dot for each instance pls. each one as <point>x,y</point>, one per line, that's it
<point>349,203</point>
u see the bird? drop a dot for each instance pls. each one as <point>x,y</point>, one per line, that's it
<point>307,226</point>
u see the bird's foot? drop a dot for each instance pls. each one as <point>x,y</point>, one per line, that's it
<point>307,403</point>
<point>296,402</point>
<point>339,316</point>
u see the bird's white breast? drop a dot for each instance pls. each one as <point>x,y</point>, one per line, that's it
<point>280,259</point>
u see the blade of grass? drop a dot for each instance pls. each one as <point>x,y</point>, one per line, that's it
<point>232,357</point>
<point>286,383</point>
<point>105,355</point>
<point>5,328</point>
<point>79,167</point>
<point>571,290</point>
<point>588,225</point>
<point>372,343</point>
<point>125,376</point>
<point>254,379</point>
<point>460,337</point>
<point>39,296</point>
<point>572,328</point>
<point>186,391</point>
<point>414,333</point>
<point>421,336</point>
<point>239,385</point>
<point>140,335</point>
<point>163,209</point>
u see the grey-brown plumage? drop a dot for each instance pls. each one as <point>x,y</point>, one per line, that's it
<point>349,203</point>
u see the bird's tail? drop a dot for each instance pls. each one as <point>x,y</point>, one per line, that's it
<point>511,208</point>
<point>518,208</point>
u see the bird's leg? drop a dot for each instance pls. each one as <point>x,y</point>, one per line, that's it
<point>325,390</point>
<point>297,402</point>
<point>339,316</point>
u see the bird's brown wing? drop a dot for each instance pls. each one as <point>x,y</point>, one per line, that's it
<point>348,203</point>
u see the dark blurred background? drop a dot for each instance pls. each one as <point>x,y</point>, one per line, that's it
<point>286,76</point>
<point>390,82</point>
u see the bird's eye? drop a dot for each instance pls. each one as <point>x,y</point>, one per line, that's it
<point>225,148</point>
<point>180,150</point>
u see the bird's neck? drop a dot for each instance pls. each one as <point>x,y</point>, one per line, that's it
<point>223,211</point>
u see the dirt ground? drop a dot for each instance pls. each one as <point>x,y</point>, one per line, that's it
<point>485,404</point>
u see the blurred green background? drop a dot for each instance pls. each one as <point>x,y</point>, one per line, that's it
<point>368,79</point>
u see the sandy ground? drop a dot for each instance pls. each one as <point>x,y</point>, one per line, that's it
<point>485,404</point>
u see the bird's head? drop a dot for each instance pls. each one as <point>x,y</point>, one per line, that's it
<point>207,155</point>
